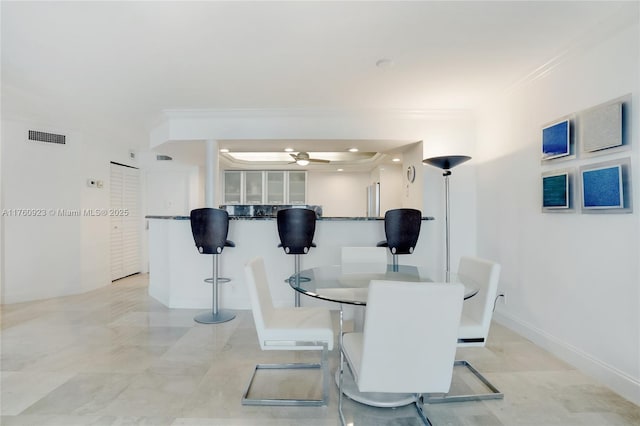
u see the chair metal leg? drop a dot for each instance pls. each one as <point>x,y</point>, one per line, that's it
<point>341,366</point>
<point>323,365</point>
<point>419,403</point>
<point>216,316</point>
<point>494,394</point>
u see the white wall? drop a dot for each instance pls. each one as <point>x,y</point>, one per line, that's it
<point>53,255</point>
<point>413,193</point>
<point>571,280</point>
<point>168,188</point>
<point>339,193</point>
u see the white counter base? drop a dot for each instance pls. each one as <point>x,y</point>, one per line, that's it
<point>177,270</point>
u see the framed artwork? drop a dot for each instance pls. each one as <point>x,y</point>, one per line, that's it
<point>557,140</point>
<point>557,191</point>
<point>604,129</point>
<point>606,187</point>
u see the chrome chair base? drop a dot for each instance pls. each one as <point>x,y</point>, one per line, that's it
<point>416,399</point>
<point>323,366</point>
<point>494,394</point>
<point>420,409</point>
<point>217,318</point>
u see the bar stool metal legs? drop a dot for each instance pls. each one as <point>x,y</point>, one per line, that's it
<point>215,316</point>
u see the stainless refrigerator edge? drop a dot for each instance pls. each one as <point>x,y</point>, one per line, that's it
<point>373,200</point>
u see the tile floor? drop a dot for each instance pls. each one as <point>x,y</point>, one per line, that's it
<point>115,356</point>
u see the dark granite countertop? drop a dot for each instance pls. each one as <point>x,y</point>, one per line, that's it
<point>327,218</point>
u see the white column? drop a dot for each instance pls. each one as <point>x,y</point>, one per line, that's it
<point>212,172</point>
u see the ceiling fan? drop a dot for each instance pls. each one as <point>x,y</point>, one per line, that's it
<point>302,159</point>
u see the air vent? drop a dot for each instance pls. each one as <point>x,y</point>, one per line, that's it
<point>163,158</point>
<point>47,137</point>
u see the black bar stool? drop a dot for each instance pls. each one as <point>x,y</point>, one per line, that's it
<point>210,228</point>
<point>402,228</point>
<point>296,228</point>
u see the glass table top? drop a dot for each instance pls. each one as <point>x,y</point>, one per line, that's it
<point>350,283</point>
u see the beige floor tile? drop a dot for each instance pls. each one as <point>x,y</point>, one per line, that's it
<point>114,356</point>
<point>18,390</point>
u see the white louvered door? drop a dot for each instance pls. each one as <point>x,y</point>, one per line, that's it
<point>125,224</point>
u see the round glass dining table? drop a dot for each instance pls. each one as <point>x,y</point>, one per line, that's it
<point>349,283</point>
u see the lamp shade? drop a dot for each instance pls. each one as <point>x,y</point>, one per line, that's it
<point>446,162</point>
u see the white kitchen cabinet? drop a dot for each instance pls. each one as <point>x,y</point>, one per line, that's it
<point>264,187</point>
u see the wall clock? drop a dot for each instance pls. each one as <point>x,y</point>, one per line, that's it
<point>411,174</point>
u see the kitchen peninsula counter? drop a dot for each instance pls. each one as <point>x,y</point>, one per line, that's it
<point>177,270</point>
<point>322,218</point>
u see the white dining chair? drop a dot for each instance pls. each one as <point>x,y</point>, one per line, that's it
<point>476,320</point>
<point>359,260</point>
<point>409,340</point>
<point>292,329</point>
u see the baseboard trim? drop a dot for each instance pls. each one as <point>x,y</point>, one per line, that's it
<point>618,381</point>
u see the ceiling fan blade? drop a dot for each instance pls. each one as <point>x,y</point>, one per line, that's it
<point>317,160</point>
<point>294,156</point>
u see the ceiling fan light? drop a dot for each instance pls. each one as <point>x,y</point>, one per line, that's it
<point>302,162</point>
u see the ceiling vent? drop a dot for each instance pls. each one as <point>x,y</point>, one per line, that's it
<point>160,157</point>
<point>47,137</point>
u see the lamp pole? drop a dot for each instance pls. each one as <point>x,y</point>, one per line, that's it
<point>446,163</point>
<point>447,228</point>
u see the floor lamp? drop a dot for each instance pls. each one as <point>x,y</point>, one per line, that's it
<point>446,163</point>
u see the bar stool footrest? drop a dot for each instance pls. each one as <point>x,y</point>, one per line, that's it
<point>292,278</point>
<point>220,280</point>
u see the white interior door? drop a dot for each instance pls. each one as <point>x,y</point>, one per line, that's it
<point>125,225</point>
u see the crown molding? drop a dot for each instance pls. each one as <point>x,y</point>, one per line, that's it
<point>626,16</point>
<point>325,113</point>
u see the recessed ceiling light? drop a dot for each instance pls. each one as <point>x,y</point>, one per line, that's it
<point>384,63</point>
<point>395,160</point>
<point>288,150</point>
<point>224,150</point>
<point>353,149</point>
<point>340,170</point>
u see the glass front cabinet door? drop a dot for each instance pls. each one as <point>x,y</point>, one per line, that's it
<point>275,187</point>
<point>232,187</point>
<point>297,187</point>
<point>265,187</point>
<point>253,187</point>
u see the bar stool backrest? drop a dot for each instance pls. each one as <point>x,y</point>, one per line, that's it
<point>402,228</point>
<point>296,228</point>
<point>209,228</point>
